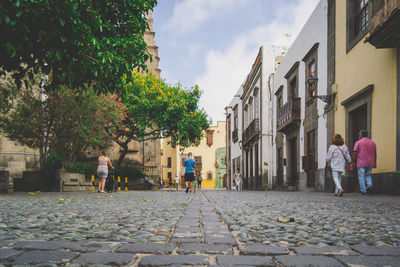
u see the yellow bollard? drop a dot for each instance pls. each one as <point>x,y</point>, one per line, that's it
<point>92,182</point>
<point>126,183</point>
<point>119,183</point>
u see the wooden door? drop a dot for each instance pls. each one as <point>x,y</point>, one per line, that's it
<point>293,161</point>
<point>280,166</point>
<point>358,122</point>
<point>256,170</point>
<point>251,169</point>
<point>311,159</point>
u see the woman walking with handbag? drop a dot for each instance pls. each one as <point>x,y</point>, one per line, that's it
<point>338,155</point>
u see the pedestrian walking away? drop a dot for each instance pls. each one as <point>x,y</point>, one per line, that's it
<point>189,171</point>
<point>238,180</point>
<point>337,156</point>
<point>365,156</point>
<point>199,182</point>
<point>102,170</point>
<point>177,182</point>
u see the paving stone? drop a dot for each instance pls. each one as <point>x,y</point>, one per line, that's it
<point>378,251</point>
<point>187,230</point>
<point>327,250</point>
<point>220,240</point>
<point>191,248</point>
<point>91,246</point>
<point>188,234</point>
<point>369,260</point>
<point>106,258</point>
<point>261,249</point>
<point>215,234</point>
<point>307,260</point>
<point>43,245</point>
<point>173,260</point>
<point>186,239</point>
<point>231,260</point>
<point>147,248</point>
<point>44,256</point>
<point>6,253</point>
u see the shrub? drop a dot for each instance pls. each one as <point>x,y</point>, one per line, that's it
<point>84,168</point>
<point>129,171</point>
<point>55,161</point>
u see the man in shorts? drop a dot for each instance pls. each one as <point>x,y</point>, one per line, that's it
<point>189,171</point>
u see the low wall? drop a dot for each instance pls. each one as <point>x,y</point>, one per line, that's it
<point>74,182</point>
<point>4,181</point>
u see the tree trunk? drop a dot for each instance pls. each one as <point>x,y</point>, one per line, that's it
<point>124,145</point>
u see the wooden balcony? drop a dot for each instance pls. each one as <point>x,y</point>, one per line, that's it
<point>385,23</point>
<point>252,130</point>
<point>289,115</point>
<point>235,136</point>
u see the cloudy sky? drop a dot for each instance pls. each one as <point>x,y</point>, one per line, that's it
<point>213,43</point>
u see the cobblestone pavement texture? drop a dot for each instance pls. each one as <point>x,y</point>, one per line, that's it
<point>208,228</point>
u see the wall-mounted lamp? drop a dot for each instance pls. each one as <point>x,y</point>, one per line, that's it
<point>311,84</point>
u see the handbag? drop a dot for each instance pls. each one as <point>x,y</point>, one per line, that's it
<point>351,166</point>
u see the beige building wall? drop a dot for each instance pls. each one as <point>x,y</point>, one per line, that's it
<point>203,150</point>
<point>364,65</point>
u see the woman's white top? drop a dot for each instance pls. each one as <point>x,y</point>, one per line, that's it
<point>337,158</point>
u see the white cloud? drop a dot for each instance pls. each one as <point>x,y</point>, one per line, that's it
<point>226,70</point>
<point>190,14</point>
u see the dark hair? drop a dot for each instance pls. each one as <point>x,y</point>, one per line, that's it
<point>364,133</point>
<point>190,154</point>
<point>238,169</point>
<point>104,153</point>
<point>337,139</point>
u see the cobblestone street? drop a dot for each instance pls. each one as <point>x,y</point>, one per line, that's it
<point>208,228</point>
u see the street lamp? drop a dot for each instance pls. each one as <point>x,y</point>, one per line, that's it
<point>311,85</point>
<point>240,144</point>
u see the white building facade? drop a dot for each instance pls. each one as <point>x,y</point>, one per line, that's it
<point>299,117</point>
<point>257,135</point>
<point>233,131</point>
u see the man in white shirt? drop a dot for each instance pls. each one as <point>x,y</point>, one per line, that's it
<point>177,182</point>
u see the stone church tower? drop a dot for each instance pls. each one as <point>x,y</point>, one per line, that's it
<point>145,154</point>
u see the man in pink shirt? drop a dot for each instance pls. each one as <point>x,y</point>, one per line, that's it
<point>365,153</point>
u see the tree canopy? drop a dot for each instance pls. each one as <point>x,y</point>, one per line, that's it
<point>155,110</point>
<point>67,122</point>
<point>76,41</point>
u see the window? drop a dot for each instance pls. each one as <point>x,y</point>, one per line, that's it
<point>209,176</point>
<point>361,16</point>
<point>198,160</point>
<point>229,128</point>
<point>169,162</point>
<point>256,106</point>
<point>357,21</point>
<point>210,134</point>
<point>311,72</point>
<point>169,175</point>
<point>293,87</point>
<point>235,117</point>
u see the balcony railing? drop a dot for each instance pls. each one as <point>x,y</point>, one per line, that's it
<point>235,135</point>
<point>289,114</point>
<point>251,131</point>
<point>385,23</point>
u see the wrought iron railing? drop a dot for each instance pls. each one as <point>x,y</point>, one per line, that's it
<point>289,113</point>
<point>252,130</point>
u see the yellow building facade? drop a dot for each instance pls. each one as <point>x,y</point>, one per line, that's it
<point>204,153</point>
<point>366,85</point>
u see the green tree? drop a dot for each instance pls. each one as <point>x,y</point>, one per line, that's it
<point>65,121</point>
<point>76,41</point>
<point>155,109</point>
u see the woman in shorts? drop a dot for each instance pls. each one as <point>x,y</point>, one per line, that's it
<point>102,170</point>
